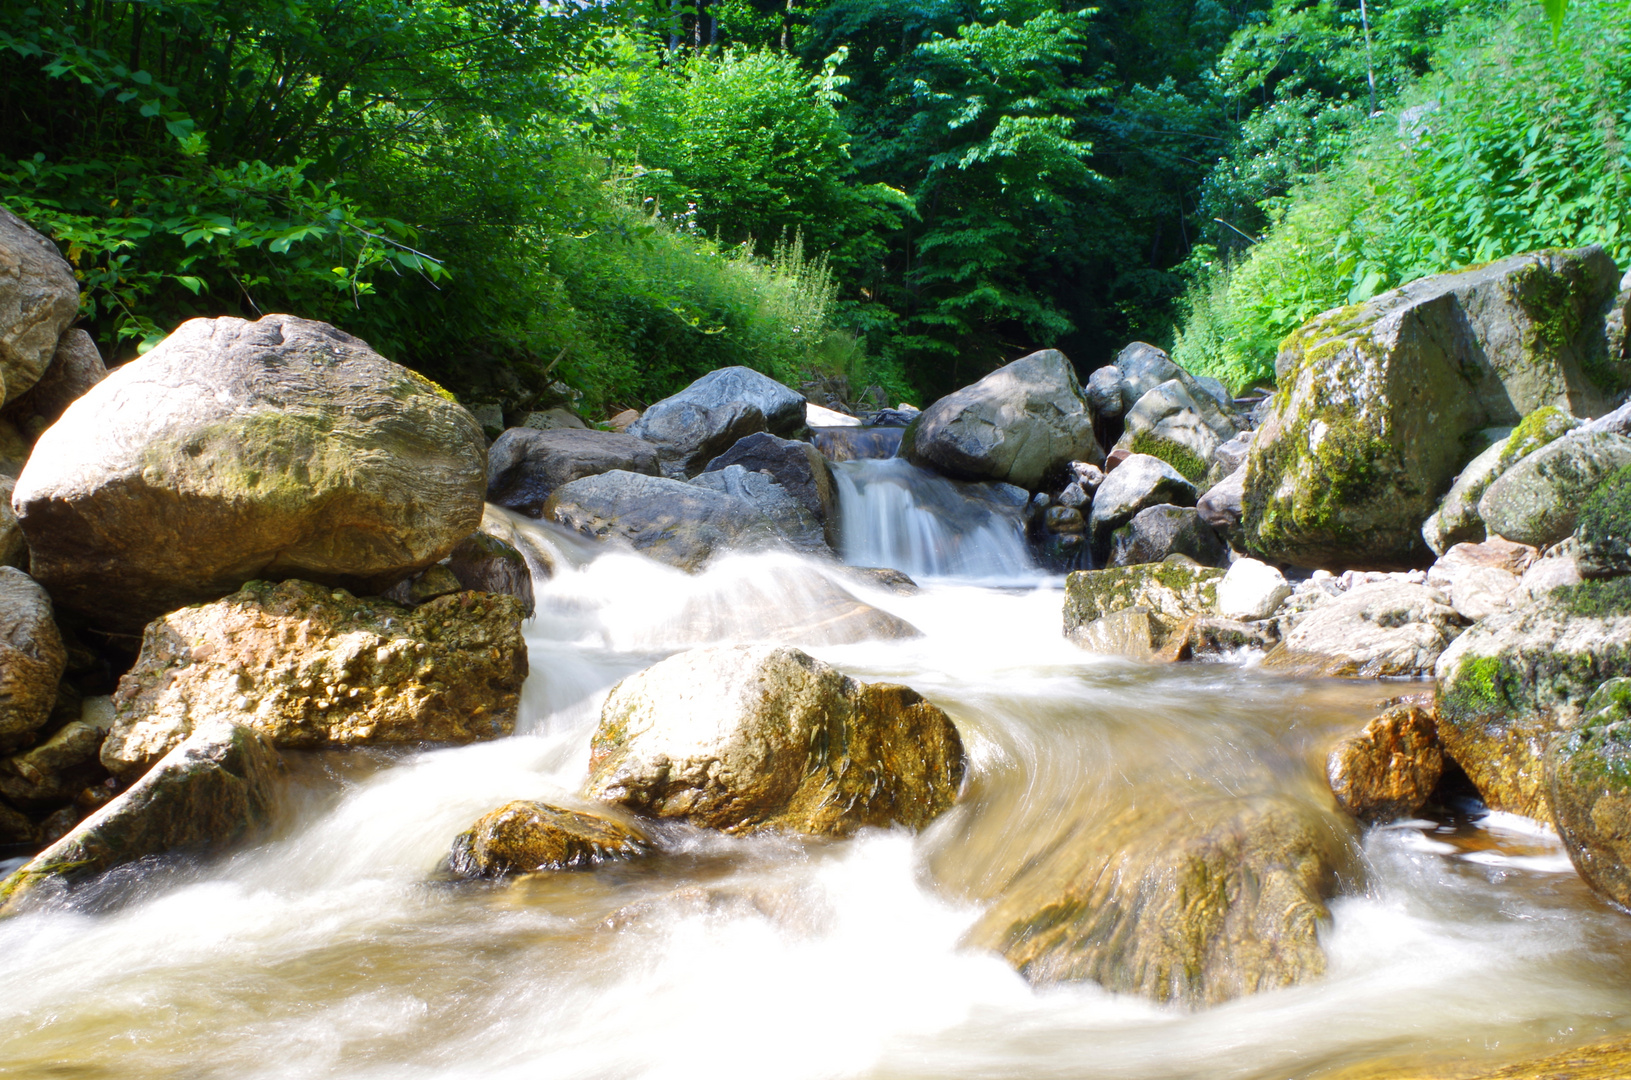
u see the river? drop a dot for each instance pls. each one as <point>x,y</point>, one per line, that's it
<point>334,948</point>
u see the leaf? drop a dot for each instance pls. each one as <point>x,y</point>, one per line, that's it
<point>1555,10</point>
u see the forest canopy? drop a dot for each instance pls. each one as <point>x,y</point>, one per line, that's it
<point>605,201</point>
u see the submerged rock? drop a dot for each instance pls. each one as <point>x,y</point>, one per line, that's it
<point>1389,769</point>
<point>670,520</point>
<point>1381,629</point>
<point>705,419</point>
<point>307,666</point>
<point>522,836</point>
<point>1208,901</point>
<point>39,299</point>
<point>238,450</point>
<point>1012,426</point>
<point>525,466</point>
<point>1538,500</point>
<point>744,738</point>
<point>213,789</point>
<point>1170,593</point>
<point>1510,683</point>
<point>1367,430</point>
<point>1588,788</point>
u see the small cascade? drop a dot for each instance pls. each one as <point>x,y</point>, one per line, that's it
<point>897,515</point>
<point>857,443</point>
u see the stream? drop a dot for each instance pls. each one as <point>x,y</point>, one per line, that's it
<point>335,948</point>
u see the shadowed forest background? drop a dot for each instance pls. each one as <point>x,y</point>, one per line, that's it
<point>526,199</point>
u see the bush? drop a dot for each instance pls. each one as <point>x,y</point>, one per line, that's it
<point>1510,145</point>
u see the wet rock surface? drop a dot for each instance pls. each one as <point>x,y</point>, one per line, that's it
<point>307,666</point>
<point>1390,768</point>
<point>797,466</point>
<point>238,450</point>
<point>215,788</point>
<point>670,520</point>
<point>1012,426</point>
<point>524,836</point>
<point>745,738</point>
<point>795,523</point>
<point>1588,790</point>
<point>525,466</point>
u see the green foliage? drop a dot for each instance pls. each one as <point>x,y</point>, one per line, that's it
<point>1509,146</point>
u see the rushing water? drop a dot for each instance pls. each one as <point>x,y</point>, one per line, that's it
<point>333,949</point>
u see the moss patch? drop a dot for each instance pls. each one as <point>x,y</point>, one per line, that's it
<point>1605,519</point>
<point>1534,431</point>
<point>1180,457</point>
<point>1596,599</point>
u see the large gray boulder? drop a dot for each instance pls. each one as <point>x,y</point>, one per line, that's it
<point>1144,367</point>
<point>705,419</point>
<point>1104,393</point>
<point>1377,402</point>
<point>1140,481</point>
<point>1011,426</point>
<point>32,657</point>
<point>796,524</point>
<point>525,465</point>
<point>1538,500</point>
<point>38,300</point>
<point>238,450</point>
<point>218,787</point>
<point>1513,681</point>
<point>797,466</point>
<point>674,522</point>
<point>747,738</point>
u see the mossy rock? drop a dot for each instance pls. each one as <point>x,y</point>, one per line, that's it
<point>1604,528</point>
<point>1172,592</point>
<point>1513,681</point>
<point>525,836</point>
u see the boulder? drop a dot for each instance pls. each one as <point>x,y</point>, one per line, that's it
<point>64,765</point>
<point>1013,426</point>
<point>522,836</point>
<point>1066,519</point>
<point>1538,500</point>
<point>13,545</point>
<point>308,666</point>
<point>1230,456</point>
<point>1481,579</point>
<point>1381,629</point>
<point>490,417</point>
<point>1251,590</point>
<point>39,298</point>
<point>672,521</point>
<point>1162,530</point>
<point>76,366</point>
<point>1510,683</point>
<point>1456,521</point>
<point>1144,367</point>
<point>1194,903</point>
<point>485,563</point>
<point>1170,592</point>
<point>218,786</point>
<point>1218,392</point>
<point>1104,393</point>
<point>796,524</point>
<point>1221,506</point>
<point>797,466</point>
<point>1389,769</point>
<point>624,420</point>
<point>747,738</point>
<point>699,423</point>
<point>1603,531</point>
<point>1128,632</point>
<point>1557,569</point>
<point>1140,481</point>
<point>1377,401</point>
<point>1167,423</point>
<point>32,658</point>
<point>526,465</point>
<point>238,450</point>
<point>1588,791</point>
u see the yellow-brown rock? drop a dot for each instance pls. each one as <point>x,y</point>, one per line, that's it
<point>310,666</point>
<point>1390,768</point>
<point>750,737</point>
<point>522,836</point>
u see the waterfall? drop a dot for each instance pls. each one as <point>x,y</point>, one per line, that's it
<point>894,514</point>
